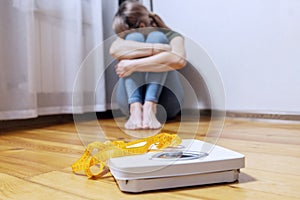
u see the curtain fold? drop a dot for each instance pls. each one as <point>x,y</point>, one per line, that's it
<point>51,60</point>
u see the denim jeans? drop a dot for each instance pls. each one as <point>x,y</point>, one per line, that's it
<point>163,88</point>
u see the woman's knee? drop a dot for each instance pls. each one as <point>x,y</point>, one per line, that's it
<point>157,37</point>
<point>135,36</point>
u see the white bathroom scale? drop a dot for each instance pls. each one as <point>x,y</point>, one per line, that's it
<point>187,165</point>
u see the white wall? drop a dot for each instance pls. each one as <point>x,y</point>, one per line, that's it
<point>255,45</point>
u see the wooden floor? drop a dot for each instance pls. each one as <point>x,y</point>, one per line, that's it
<point>35,162</point>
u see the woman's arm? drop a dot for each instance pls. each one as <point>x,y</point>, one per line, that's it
<point>126,49</point>
<point>164,61</point>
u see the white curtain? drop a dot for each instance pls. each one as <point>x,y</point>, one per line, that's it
<point>43,44</point>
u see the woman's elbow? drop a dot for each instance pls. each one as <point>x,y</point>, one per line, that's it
<point>180,63</point>
<point>116,54</point>
<point>113,52</point>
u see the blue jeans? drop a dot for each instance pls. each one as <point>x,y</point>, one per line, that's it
<point>163,88</point>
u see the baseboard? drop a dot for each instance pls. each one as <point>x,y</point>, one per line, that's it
<point>42,121</point>
<point>269,116</point>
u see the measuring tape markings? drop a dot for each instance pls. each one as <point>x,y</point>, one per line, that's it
<point>112,149</point>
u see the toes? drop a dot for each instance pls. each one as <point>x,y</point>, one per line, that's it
<point>146,126</point>
<point>153,124</point>
<point>132,126</point>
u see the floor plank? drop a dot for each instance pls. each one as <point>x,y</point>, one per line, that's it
<point>24,163</point>
<point>283,184</point>
<point>35,162</point>
<point>12,188</point>
<point>105,188</point>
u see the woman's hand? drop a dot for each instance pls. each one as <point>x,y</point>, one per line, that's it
<point>124,68</point>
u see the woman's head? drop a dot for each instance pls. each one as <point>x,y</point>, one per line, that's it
<point>132,14</point>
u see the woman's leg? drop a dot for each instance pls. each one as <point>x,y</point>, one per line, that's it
<point>132,86</point>
<point>172,96</point>
<point>155,82</point>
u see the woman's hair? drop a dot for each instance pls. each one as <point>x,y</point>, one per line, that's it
<point>131,14</point>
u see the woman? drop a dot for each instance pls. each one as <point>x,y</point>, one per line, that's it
<point>149,54</point>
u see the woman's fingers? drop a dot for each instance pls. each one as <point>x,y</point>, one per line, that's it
<point>120,70</point>
<point>123,68</point>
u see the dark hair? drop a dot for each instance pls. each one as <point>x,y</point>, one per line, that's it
<point>131,13</point>
<point>158,21</point>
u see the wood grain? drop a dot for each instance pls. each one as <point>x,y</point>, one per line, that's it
<point>35,161</point>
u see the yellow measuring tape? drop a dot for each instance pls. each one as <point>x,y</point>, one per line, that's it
<point>98,153</point>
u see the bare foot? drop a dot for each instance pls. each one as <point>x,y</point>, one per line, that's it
<point>135,120</point>
<point>149,118</point>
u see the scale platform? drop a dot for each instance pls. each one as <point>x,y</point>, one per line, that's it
<point>185,166</point>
